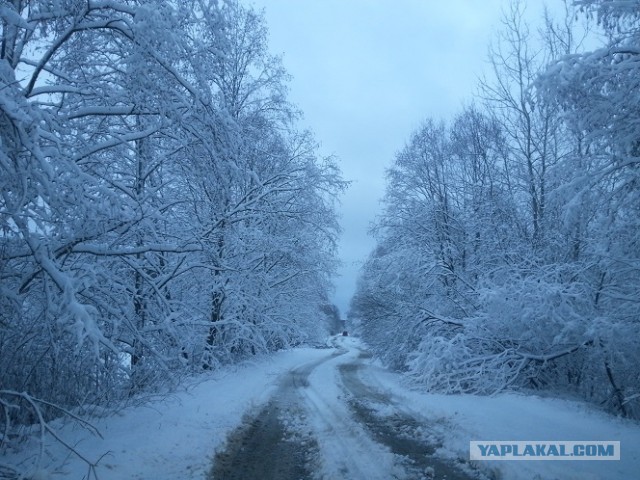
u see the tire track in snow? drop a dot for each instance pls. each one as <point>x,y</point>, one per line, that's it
<point>405,435</point>
<point>346,449</point>
<point>320,425</point>
<point>270,444</point>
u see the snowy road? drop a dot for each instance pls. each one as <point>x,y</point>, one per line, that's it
<point>329,414</point>
<point>328,419</point>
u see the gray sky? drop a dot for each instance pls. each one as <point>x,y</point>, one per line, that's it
<point>365,74</point>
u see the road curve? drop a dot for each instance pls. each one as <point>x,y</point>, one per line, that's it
<point>325,422</point>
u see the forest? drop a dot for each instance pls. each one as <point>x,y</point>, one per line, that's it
<point>161,213</point>
<point>508,248</point>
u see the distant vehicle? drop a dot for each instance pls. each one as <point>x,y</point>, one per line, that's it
<point>345,333</point>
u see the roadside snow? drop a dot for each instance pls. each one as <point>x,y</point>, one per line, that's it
<point>462,418</point>
<point>173,438</point>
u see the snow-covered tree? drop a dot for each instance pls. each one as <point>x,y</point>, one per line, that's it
<point>508,249</point>
<point>159,208</point>
<point>597,92</point>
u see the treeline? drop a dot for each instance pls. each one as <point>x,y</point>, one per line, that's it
<point>508,250</point>
<point>160,212</point>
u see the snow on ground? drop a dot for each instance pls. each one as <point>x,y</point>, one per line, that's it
<point>512,416</point>
<point>174,438</point>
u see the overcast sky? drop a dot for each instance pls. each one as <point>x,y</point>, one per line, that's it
<point>365,74</point>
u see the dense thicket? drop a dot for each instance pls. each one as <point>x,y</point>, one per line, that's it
<point>159,212</point>
<point>509,247</point>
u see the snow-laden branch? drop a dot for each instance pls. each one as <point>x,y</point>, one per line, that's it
<point>105,111</point>
<point>105,251</point>
<point>35,405</point>
<point>115,140</point>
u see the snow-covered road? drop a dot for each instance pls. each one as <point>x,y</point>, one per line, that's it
<point>329,414</point>
<point>328,420</point>
<point>324,422</point>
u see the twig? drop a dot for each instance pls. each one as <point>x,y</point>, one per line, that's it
<point>35,404</point>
